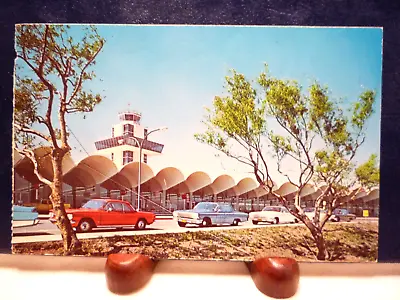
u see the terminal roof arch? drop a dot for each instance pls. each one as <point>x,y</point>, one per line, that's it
<point>99,167</point>
<point>169,177</point>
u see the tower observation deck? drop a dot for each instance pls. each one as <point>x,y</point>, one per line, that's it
<point>126,137</point>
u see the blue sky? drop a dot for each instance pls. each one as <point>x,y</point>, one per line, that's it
<point>169,73</point>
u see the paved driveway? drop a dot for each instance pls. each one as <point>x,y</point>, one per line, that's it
<point>46,231</point>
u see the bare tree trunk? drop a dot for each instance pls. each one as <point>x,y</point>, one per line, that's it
<point>323,253</point>
<point>71,243</point>
<point>319,240</point>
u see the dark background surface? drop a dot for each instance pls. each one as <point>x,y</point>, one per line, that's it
<point>384,14</point>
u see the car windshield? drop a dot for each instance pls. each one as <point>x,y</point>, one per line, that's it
<point>271,208</point>
<point>205,207</point>
<point>94,204</point>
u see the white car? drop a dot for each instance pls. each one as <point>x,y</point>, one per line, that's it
<point>273,215</point>
<point>310,213</point>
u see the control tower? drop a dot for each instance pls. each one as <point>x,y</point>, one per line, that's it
<point>126,138</point>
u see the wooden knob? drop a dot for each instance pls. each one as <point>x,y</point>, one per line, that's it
<point>276,277</point>
<point>127,273</point>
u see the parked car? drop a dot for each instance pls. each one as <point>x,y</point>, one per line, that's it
<point>273,215</point>
<point>337,214</point>
<point>210,213</point>
<point>24,216</point>
<point>310,213</point>
<point>108,213</point>
<point>342,214</point>
<point>44,206</point>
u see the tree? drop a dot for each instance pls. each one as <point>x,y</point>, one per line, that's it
<point>275,125</point>
<point>51,70</point>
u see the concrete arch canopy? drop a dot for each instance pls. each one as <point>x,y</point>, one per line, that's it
<point>24,166</point>
<point>16,157</point>
<point>261,191</point>
<point>194,182</point>
<point>222,183</point>
<point>131,172</point>
<point>373,195</point>
<point>79,178</point>
<point>180,188</point>
<point>169,177</point>
<point>246,185</point>
<point>197,180</point>
<point>117,182</point>
<point>99,167</point>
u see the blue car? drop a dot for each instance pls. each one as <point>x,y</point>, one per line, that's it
<point>206,214</point>
<point>24,216</point>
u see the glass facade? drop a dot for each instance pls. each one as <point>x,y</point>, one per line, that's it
<point>130,116</point>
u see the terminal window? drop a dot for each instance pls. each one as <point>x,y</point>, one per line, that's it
<point>129,129</point>
<point>127,157</point>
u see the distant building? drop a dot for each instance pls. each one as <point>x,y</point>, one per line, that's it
<point>123,146</point>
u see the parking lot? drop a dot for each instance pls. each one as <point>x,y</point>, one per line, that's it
<point>46,231</point>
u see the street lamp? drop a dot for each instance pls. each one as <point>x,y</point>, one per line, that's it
<point>140,145</point>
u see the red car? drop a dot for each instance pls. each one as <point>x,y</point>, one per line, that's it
<point>106,213</point>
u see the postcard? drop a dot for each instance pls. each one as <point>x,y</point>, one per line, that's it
<point>197,142</point>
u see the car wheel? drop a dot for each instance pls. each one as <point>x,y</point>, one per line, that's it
<point>181,224</point>
<point>206,222</point>
<point>276,221</point>
<point>296,220</point>
<point>141,224</point>
<point>337,219</point>
<point>85,225</point>
<point>235,222</point>
<point>255,222</point>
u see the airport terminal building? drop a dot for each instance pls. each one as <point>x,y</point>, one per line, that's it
<point>121,165</point>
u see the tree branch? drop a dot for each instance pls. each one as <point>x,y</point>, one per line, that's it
<point>44,50</point>
<point>79,83</point>
<point>31,155</point>
<point>51,96</point>
<point>32,131</point>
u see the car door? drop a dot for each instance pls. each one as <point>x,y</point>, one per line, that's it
<point>214,214</point>
<point>228,214</point>
<point>286,216</point>
<point>130,215</point>
<point>220,215</point>
<point>113,211</point>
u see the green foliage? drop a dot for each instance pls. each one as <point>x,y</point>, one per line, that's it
<point>237,116</point>
<point>241,118</point>
<point>51,70</point>
<point>368,173</point>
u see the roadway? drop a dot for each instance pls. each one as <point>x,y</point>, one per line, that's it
<point>46,231</point>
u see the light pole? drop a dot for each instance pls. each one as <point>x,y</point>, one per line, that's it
<point>140,145</point>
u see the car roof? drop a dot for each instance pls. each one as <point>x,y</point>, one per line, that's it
<point>110,200</point>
